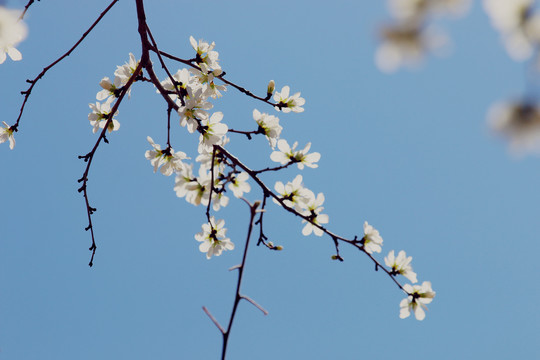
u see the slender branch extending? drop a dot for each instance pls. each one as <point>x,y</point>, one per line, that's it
<point>90,156</point>
<point>252,212</point>
<point>47,68</point>
<point>222,78</point>
<point>354,242</point>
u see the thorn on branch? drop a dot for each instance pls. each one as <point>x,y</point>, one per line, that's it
<point>235,267</point>
<point>88,228</point>
<point>254,304</point>
<point>91,210</point>
<point>105,139</point>
<point>82,188</point>
<point>376,267</point>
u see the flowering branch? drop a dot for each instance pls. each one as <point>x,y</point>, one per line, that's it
<point>90,156</point>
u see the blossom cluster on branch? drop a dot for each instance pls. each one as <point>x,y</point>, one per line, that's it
<point>215,172</point>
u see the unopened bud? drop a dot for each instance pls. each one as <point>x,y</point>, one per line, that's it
<point>271,88</point>
<point>279,247</point>
<point>270,244</point>
<point>334,257</point>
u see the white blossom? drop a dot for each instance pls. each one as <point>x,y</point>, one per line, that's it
<point>212,238</point>
<point>293,193</point>
<point>288,103</point>
<point>99,114</point>
<point>206,55</point>
<point>400,265</point>
<point>372,240</point>
<point>239,184</point>
<point>269,126</point>
<point>167,159</point>
<point>109,88</point>
<point>287,155</point>
<point>12,32</point>
<point>213,132</point>
<point>420,295</point>
<point>125,71</point>
<point>6,134</point>
<point>312,208</point>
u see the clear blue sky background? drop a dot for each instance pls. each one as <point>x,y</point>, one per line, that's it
<point>410,153</point>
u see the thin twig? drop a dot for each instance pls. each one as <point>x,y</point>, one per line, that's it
<point>47,68</point>
<point>90,156</point>
<point>241,268</point>
<point>26,9</point>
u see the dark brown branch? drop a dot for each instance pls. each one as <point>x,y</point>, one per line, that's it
<point>222,78</point>
<point>42,73</point>
<point>26,9</point>
<point>241,268</point>
<point>90,156</point>
<point>354,242</point>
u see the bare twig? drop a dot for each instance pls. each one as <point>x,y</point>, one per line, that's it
<point>30,2</point>
<point>47,68</point>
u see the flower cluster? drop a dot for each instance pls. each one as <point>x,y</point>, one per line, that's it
<point>417,295</point>
<point>110,91</point>
<point>12,32</point>
<point>406,41</point>
<point>212,238</point>
<point>219,174</point>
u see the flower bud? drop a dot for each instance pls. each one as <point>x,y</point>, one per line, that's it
<point>279,248</point>
<point>271,88</point>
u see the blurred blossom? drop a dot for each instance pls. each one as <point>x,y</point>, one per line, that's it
<point>519,122</point>
<point>407,9</point>
<point>518,24</point>
<point>12,32</point>
<point>406,44</point>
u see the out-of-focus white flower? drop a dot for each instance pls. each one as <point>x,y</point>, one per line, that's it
<point>372,240</point>
<point>420,295</point>
<point>6,134</point>
<point>99,114</point>
<point>518,23</point>
<point>519,122</point>
<point>400,265</point>
<point>409,9</point>
<point>287,155</point>
<point>12,32</point>
<point>212,238</point>
<point>288,103</point>
<point>169,160</point>
<point>269,126</point>
<point>406,44</point>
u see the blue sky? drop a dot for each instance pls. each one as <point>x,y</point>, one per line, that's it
<point>410,153</point>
